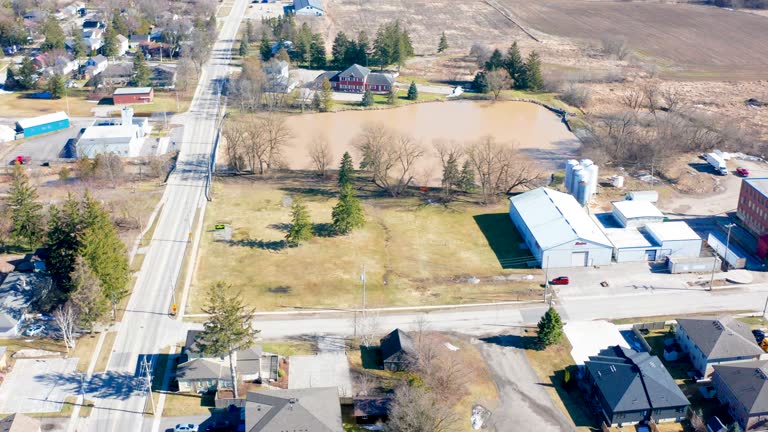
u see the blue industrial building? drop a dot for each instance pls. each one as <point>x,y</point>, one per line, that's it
<point>43,124</point>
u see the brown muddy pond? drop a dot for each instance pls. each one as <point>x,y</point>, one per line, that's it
<point>539,133</point>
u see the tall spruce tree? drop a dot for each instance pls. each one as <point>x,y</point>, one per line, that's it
<point>26,77</point>
<point>533,79</point>
<point>443,44</point>
<point>301,226</point>
<point>496,61</point>
<point>105,252</point>
<point>140,71</point>
<point>78,43</point>
<point>362,49</point>
<point>413,91</point>
<point>109,47</point>
<point>550,328</point>
<point>26,212</point>
<point>10,79</point>
<point>451,177</point>
<point>265,47</point>
<point>348,213</point>
<point>346,170</point>
<point>229,327</point>
<point>367,98</point>
<point>317,52</point>
<point>467,181</point>
<point>392,95</point>
<point>514,64</point>
<point>340,50</point>
<point>243,49</point>
<point>87,295</point>
<point>326,96</point>
<point>56,86</point>
<point>65,230</point>
<point>54,34</point>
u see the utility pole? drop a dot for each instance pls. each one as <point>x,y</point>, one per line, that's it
<point>546,279</point>
<point>765,307</point>
<point>727,245</point>
<point>147,371</point>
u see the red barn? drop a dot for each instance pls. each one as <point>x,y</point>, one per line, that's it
<point>132,95</point>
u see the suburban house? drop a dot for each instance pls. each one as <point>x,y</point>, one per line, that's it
<point>122,45</point>
<point>19,422</point>
<point>17,292</point>
<point>371,410</point>
<point>631,387</point>
<point>132,95</point>
<point>135,40</point>
<point>117,74</point>
<point>158,50</point>
<point>397,349</point>
<point>42,124</point>
<point>200,374</point>
<point>308,7</point>
<point>93,38</point>
<point>306,410</point>
<point>358,79</point>
<point>163,76</point>
<point>709,341</point>
<point>95,65</point>
<point>278,77</point>
<point>744,388</point>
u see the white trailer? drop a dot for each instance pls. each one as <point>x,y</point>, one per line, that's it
<point>678,264</point>
<point>649,195</point>
<point>733,255</point>
<point>717,162</point>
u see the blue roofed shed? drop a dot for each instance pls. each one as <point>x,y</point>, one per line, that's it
<point>43,124</point>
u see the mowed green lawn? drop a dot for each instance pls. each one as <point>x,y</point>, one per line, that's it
<point>413,253</point>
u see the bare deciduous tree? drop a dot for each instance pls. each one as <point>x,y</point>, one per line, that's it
<point>499,168</point>
<point>450,154</point>
<point>615,46</point>
<point>633,99</point>
<point>277,134</point>
<point>672,98</point>
<point>390,157</point>
<point>577,95</point>
<point>496,81</point>
<point>66,318</point>
<point>256,143</point>
<point>651,97</point>
<point>364,384</point>
<point>320,153</point>
<point>416,409</point>
<point>367,328</point>
<point>480,52</point>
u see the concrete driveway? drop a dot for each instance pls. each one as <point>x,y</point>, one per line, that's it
<point>38,386</point>
<point>326,369</point>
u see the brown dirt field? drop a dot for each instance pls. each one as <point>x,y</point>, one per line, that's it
<point>685,40</point>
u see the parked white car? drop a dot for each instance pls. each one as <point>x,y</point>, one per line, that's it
<point>185,427</point>
<point>34,330</point>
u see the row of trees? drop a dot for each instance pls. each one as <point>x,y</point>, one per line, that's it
<point>86,258</point>
<point>513,71</point>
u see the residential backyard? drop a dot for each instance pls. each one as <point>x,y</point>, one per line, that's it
<point>413,252</point>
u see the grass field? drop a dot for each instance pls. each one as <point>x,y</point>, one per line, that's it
<point>413,253</point>
<point>18,104</point>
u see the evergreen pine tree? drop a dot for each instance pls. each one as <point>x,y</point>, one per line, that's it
<point>348,213</point>
<point>26,212</point>
<point>78,44</point>
<point>243,50</point>
<point>514,63</point>
<point>451,177</point>
<point>229,327</point>
<point>346,170</point>
<point>735,427</point>
<point>104,252</point>
<point>317,104</point>
<point>87,295</point>
<point>340,50</point>
<point>479,83</point>
<point>10,79</point>
<point>467,180</point>
<point>64,239</point>
<point>26,76</point>
<point>326,96</point>
<point>392,95</point>
<point>362,48</point>
<point>140,71</point>
<point>367,98</point>
<point>533,80</point>
<point>54,34</point>
<point>109,47</point>
<point>550,328</point>
<point>496,61</point>
<point>301,226</point>
<point>56,86</point>
<point>317,52</point>
<point>413,92</point>
<point>443,44</point>
<point>265,47</point>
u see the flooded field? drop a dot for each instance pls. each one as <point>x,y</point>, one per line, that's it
<point>539,133</point>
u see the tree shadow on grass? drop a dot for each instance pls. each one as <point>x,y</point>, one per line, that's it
<point>270,245</point>
<point>504,240</point>
<point>311,191</point>
<point>512,341</point>
<point>324,230</point>
<point>573,399</point>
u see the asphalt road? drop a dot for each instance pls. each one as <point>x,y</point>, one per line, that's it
<point>146,328</point>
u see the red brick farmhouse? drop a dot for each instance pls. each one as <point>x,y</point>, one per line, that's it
<point>357,79</point>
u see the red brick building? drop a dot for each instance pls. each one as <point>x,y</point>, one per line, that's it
<point>133,95</point>
<point>753,211</point>
<point>358,79</point>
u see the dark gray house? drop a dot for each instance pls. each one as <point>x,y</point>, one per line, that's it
<point>397,350</point>
<point>306,410</point>
<point>631,387</point>
<point>744,388</point>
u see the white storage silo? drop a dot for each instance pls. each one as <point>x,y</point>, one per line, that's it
<point>618,182</point>
<point>574,184</point>
<point>569,173</point>
<point>580,178</point>
<point>593,171</point>
<point>586,163</point>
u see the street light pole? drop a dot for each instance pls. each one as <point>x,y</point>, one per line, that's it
<point>546,278</point>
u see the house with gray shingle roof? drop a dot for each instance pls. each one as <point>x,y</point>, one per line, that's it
<point>308,7</point>
<point>716,340</point>
<point>397,350</point>
<point>632,387</point>
<point>744,388</point>
<point>17,292</point>
<point>307,410</point>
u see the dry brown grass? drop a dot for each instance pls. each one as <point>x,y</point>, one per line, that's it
<point>106,350</point>
<point>414,254</point>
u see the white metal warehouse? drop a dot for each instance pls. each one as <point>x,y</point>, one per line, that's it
<point>674,238</point>
<point>557,230</point>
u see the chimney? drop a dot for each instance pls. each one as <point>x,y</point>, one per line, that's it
<point>127,116</point>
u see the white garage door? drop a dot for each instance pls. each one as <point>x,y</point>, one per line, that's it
<point>579,259</point>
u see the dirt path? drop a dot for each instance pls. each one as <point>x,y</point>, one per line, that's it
<point>523,401</point>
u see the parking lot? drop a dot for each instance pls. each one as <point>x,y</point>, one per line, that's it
<point>35,386</point>
<point>47,148</point>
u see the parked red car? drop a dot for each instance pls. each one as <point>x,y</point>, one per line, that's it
<point>21,160</point>
<point>742,171</point>
<point>561,280</point>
